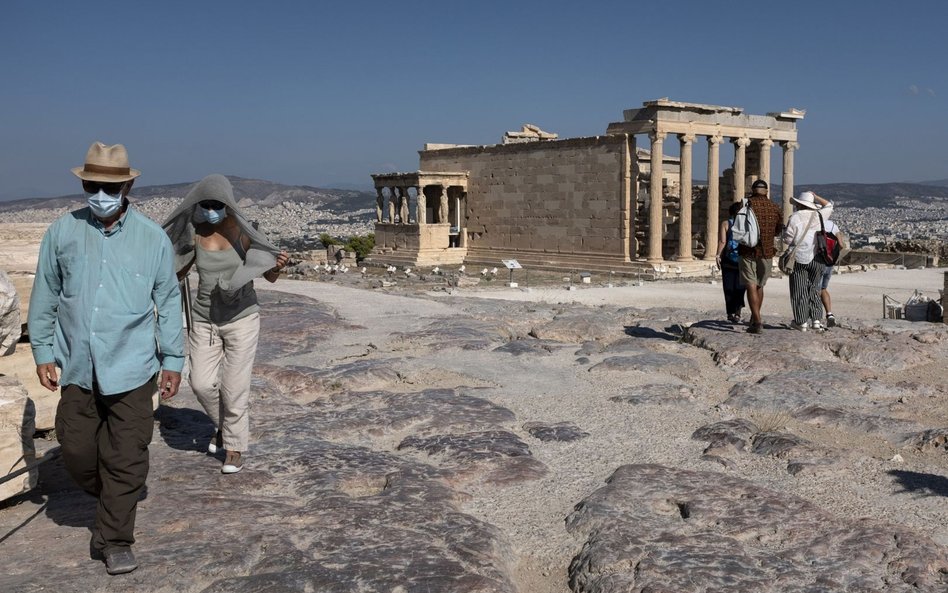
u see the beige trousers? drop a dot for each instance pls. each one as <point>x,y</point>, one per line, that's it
<point>221,362</point>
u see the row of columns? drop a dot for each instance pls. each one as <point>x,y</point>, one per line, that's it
<point>398,198</point>
<point>685,182</point>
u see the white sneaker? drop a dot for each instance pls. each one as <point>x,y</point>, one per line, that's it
<point>232,463</point>
<point>217,442</point>
<point>798,326</point>
<point>817,326</point>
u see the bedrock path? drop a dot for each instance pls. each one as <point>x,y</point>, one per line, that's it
<point>460,444</point>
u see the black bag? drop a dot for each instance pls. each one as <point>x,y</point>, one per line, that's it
<point>827,245</point>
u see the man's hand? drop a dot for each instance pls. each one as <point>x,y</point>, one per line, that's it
<point>168,385</point>
<point>48,376</point>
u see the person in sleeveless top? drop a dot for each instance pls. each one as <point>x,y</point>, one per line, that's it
<point>228,253</point>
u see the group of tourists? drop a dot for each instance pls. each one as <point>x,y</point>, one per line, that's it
<point>106,290</point>
<point>745,269</point>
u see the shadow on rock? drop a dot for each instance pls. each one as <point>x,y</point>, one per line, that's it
<point>923,484</point>
<point>66,503</point>
<point>671,333</point>
<point>184,429</point>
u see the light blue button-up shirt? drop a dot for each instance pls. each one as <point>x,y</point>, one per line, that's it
<point>94,300</point>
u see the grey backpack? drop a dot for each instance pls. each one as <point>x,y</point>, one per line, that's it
<point>746,231</point>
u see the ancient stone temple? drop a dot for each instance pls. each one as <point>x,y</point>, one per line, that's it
<point>583,203</point>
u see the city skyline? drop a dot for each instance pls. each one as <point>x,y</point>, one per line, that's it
<point>299,94</point>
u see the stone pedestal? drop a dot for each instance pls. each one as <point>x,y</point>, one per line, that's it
<point>20,366</point>
<point>16,437</point>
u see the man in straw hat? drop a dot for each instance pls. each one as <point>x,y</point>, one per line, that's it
<point>103,272</point>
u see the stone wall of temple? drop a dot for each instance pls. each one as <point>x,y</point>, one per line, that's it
<point>562,196</point>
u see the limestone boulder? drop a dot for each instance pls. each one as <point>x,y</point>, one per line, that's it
<point>16,437</point>
<point>20,366</point>
<point>9,315</point>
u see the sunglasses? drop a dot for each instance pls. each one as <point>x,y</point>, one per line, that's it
<point>93,187</point>
<point>212,205</point>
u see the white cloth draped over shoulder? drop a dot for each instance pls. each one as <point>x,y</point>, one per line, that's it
<point>801,231</point>
<point>260,256</point>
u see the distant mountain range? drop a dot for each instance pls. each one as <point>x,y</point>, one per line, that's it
<point>257,192</point>
<point>879,195</point>
<point>264,193</point>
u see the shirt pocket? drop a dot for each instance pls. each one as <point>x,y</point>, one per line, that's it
<point>134,291</point>
<point>71,273</point>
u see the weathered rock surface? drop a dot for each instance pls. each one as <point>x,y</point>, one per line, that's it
<point>463,332</point>
<point>560,432</point>
<point>827,394</point>
<point>657,393</point>
<point>778,348</point>
<point>575,327</point>
<point>649,362</point>
<point>656,528</point>
<point>16,437</point>
<point>9,315</point>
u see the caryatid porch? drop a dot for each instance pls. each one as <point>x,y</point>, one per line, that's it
<point>431,232</point>
<point>753,136</point>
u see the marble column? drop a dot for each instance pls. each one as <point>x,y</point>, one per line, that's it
<point>379,204</point>
<point>787,189</point>
<point>443,206</point>
<point>765,159</point>
<point>391,205</point>
<point>711,224</point>
<point>421,216</point>
<point>684,200</point>
<point>655,198</point>
<point>740,167</point>
<point>404,210</point>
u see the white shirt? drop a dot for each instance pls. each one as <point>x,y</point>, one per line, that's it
<point>798,234</point>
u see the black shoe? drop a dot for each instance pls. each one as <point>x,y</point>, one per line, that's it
<point>755,328</point>
<point>120,561</point>
<point>95,552</point>
<point>830,320</point>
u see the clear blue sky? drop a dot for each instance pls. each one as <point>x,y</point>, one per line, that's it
<point>325,93</point>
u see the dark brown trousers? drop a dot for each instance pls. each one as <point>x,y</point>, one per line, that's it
<point>104,441</point>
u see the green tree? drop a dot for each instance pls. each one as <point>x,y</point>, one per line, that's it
<point>361,245</point>
<point>326,239</point>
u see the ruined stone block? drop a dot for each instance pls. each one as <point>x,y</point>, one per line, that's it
<point>16,437</point>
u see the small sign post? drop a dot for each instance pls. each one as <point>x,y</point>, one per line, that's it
<point>511,264</point>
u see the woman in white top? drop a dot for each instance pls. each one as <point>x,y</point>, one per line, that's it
<point>807,275</point>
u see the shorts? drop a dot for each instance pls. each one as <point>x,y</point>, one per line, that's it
<point>826,277</point>
<point>756,271</point>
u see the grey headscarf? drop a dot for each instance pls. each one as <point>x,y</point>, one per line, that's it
<point>261,255</point>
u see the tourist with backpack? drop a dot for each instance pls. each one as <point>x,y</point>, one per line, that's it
<point>728,260</point>
<point>827,301</point>
<point>807,235</point>
<point>761,219</point>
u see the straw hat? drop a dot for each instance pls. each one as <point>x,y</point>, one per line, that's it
<point>807,200</point>
<point>108,164</point>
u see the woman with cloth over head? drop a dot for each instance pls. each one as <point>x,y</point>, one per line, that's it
<point>807,276</point>
<point>209,231</point>
<point>728,260</point>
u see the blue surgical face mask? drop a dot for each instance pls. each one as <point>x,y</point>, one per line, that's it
<point>211,216</point>
<point>104,205</point>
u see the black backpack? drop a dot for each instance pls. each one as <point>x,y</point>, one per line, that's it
<point>827,245</point>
